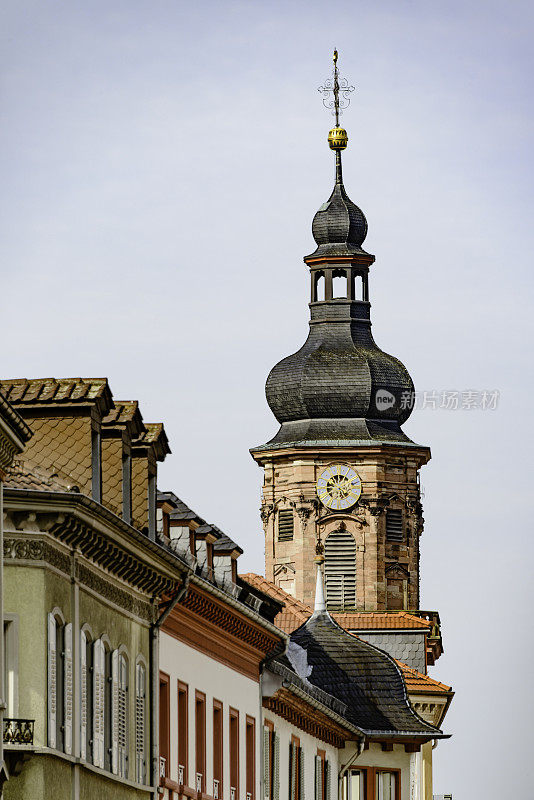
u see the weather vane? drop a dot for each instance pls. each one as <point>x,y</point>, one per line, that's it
<point>339,88</point>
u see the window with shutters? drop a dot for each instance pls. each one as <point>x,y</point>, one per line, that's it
<point>340,571</point>
<point>108,708</point>
<point>271,762</point>
<point>217,750</point>
<point>285,526</point>
<point>183,732</point>
<point>164,724</point>
<point>320,775</point>
<point>59,683</point>
<point>250,757</point>
<point>122,716</point>
<point>140,723</point>
<point>371,783</point>
<point>394,526</point>
<point>296,770</point>
<point>86,696</point>
<point>67,688</point>
<point>234,754</point>
<point>200,741</point>
<point>99,703</point>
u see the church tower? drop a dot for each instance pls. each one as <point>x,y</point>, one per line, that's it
<point>340,472</point>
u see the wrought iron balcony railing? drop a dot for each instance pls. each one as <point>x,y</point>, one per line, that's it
<point>17,731</point>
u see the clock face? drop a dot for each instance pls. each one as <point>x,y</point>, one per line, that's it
<point>339,487</point>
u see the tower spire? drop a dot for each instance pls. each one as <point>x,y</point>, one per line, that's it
<point>336,97</point>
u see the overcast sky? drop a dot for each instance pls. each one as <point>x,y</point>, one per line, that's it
<point>160,165</point>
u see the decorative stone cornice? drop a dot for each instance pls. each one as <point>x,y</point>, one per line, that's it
<point>302,715</point>
<point>107,548</point>
<point>120,597</point>
<point>33,550</point>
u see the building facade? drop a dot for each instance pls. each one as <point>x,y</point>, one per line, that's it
<point>82,589</point>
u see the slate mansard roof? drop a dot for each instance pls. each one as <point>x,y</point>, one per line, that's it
<point>367,681</point>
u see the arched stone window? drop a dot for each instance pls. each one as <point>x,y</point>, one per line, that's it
<point>340,571</point>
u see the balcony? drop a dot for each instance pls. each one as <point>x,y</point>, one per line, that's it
<point>17,731</point>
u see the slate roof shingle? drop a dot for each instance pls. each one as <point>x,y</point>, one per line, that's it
<point>364,678</point>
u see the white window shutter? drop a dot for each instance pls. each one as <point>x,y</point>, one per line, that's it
<point>327,779</point>
<point>300,767</point>
<point>83,698</point>
<point>292,771</point>
<point>276,767</point>
<point>52,681</point>
<point>122,717</point>
<point>140,722</point>
<point>67,689</point>
<point>266,763</point>
<point>99,680</point>
<point>115,712</point>
<point>318,765</point>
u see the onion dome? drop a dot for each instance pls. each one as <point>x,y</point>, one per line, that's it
<point>339,386</point>
<point>339,227</point>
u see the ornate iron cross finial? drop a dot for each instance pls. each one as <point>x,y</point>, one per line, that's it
<point>339,88</point>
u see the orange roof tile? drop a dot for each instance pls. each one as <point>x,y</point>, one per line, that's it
<point>417,683</point>
<point>297,612</point>
<point>294,613</point>
<point>376,620</point>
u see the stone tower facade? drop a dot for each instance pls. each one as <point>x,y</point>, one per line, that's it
<point>340,401</point>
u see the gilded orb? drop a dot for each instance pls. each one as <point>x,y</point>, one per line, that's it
<point>337,138</point>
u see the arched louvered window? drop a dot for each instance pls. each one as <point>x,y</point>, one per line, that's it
<point>340,571</point>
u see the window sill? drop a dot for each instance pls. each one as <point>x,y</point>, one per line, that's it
<point>184,791</point>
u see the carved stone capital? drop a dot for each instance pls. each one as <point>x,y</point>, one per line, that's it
<point>265,512</point>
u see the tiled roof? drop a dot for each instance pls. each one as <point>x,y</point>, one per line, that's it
<point>296,612</point>
<point>181,510</point>
<point>365,679</point>
<point>153,434</point>
<point>375,620</point>
<point>21,391</point>
<point>13,420</point>
<point>126,412</point>
<point>416,682</point>
<point>23,475</point>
